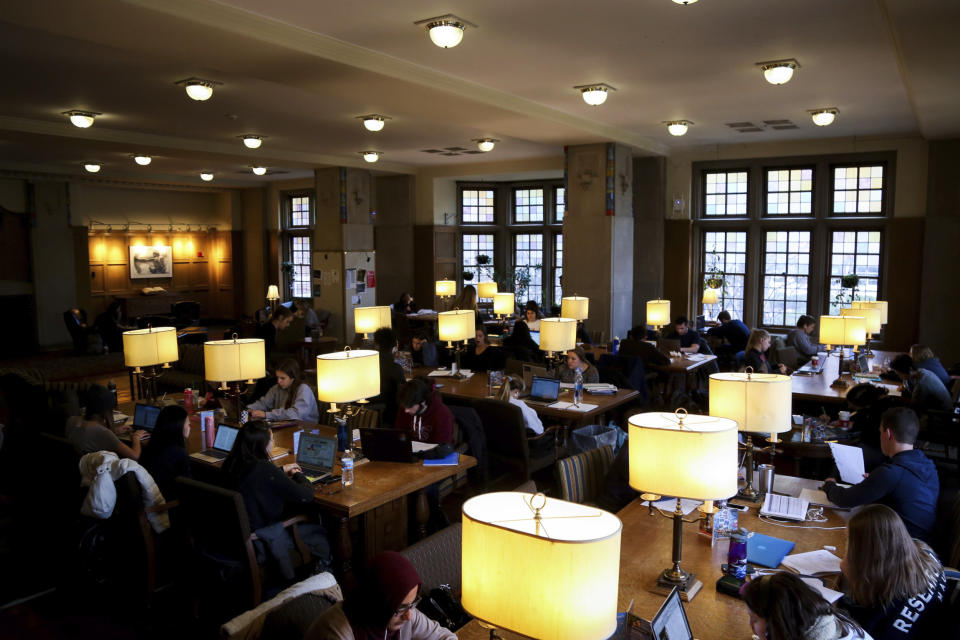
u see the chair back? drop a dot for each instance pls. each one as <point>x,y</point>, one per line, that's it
<point>504,428</point>
<point>787,356</point>
<point>581,476</point>
<point>437,558</point>
<point>215,517</point>
<point>667,345</point>
<point>154,321</point>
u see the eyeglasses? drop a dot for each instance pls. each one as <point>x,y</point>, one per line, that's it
<point>402,609</point>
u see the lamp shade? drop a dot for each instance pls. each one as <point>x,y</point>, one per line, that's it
<point>758,402</point>
<point>658,312</point>
<point>148,347</point>
<point>879,304</point>
<point>454,326</point>
<point>369,319</point>
<point>273,292</point>
<point>838,330</point>
<point>871,315</point>
<point>558,334</point>
<point>576,307</point>
<point>710,296</point>
<point>558,581</point>
<point>348,376</point>
<point>503,303</point>
<point>694,457</point>
<point>486,290</point>
<point>232,360</point>
<point>446,288</point>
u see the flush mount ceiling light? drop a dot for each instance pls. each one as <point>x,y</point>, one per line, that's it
<point>370,156</point>
<point>374,121</point>
<point>142,160</point>
<point>595,94</point>
<point>677,127</point>
<point>206,176</point>
<point>92,167</point>
<point>259,171</point>
<point>81,119</point>
<point>823,117</point>
<point>446,31</point>
<point>684,1</point>
<point>251,141</point>
<point>778,71</point>
<point>198,88</point>
<point>485,144</point>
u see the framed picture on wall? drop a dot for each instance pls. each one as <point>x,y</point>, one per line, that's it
<point>151,262</point>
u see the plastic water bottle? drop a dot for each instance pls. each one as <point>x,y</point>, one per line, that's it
<point>346,468</point>
<point>343,440</point>
<point>578,387</point>
<point>616,344</point>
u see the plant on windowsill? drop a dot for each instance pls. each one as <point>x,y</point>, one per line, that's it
<point>468,275</point>
<point>286,274</point>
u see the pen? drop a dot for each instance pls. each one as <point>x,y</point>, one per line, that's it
<point>823,410</point>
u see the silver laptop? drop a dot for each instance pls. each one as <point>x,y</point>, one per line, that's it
<point>316,455</point>
<point>543,391</point>
<point>222,444</point>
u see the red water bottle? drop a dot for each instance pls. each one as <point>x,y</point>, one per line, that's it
<point>188,399</point>
<point>209,431</point>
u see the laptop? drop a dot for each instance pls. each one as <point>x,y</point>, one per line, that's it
<point>543,391</point>
<point>145,416</point>
<point>767,551</point>
<point>535,336</point>
<point>530,371</point>
<point>785,507</point>
<point>222,444</point>
<point>671,622</point>
<point>666,345</point>
<point>316,455</point>
<point>387,445</point>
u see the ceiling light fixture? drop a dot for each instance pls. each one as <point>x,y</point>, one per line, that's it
<point>485,144</point>
<point>142,160</point>
<point>259,171</point>
<point>677,127</point>
<point>370,156</point>
<point>374,121</point>
<point>206,176</point>
<point>81,119</point>
<point>824,117</point>
<point>595,94</point>
<point>251,141</point>
<point>92,167</point>
<point>198,88</point>
<point>778,71</point>
<point>684,1</point>
<point>446,31</point>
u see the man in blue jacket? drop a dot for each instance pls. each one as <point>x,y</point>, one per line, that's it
<point>907,482</point>
<point>735,332</point>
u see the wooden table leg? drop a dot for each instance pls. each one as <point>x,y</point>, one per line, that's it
<point>423,513</point>
<point>345,549</point>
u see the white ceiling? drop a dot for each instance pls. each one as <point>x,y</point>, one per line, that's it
<point>298,71</point>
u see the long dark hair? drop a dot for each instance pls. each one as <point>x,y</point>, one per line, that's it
<point>167,432</point>
<point>249,448</point>
<point>292,369</point>
<point>789,606</point>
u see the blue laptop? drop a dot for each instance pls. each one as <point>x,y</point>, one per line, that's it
<point>767,551</point>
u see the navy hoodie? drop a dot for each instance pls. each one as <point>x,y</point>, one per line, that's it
<point>907,483</point>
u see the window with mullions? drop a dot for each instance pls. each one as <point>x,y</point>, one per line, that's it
<point>726,193</point>
<point>858,190</point>
<point>560,202</point>
<point>557,267</point>
<point>854,253</point>
<point>786,274</point>
<point>528,258</point>
<point>300,211</point>
<point>476,206</point>
<point>789,192</point>
<point>726,252</point>
<point>477,244</point>
<point>300,257</point>
<point>527,205</point>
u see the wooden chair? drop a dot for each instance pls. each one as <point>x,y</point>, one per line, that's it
<point>581,476</point>
<point>507,439</point>
<point>787,356</point>
<point>365,417</point>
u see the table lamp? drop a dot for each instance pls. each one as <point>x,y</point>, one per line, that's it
<point>873,326</point>
<point>658,313</point>
<point>837,331</point>
<point>455,327</point>
<point>366,320</point>
<point>231,361</point>
<point>576,307</point>
<point>347,376</point>
<point>503,306</point>
<point>684,456</point>
<point>710,297</point>
<point>557,336</point>
<point>273,295</point>
<point>758,403</point>
<point>486,290</point>
<point>540,567</point>
<point>147,348</point>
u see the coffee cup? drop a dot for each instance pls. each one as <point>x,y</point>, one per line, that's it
<point>815,361</point>
<point>844,419</point>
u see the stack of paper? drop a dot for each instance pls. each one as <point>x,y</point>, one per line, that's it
<point>448,373</point>
<point>600,388</point>
<point>569,406</point>
<point>813,562</point>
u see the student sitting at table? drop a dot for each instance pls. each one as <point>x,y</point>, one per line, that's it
<point>735,332</point>
<point>95,431</point>
<point>577,359</point>
<point>422,413</point>
<point>895,585</point>
<point>467,300</point>
<point>755,354</point>
<point>405,304</point>
<point>690,341</point>
<point>799,338</point>
<point>290,399</point>
<point>907,482</point>
<point>923,358</point>
<point>781,606</point>
<point>922,387</point>
<point>510,392</point>
<point>481,355</point>
<point>867,403</point>
<point>166,454</point>
<point>532,315</point>
<point>424,352</point>
<point>279,320</point>
<point>391,374</point>
<point>521,345</point>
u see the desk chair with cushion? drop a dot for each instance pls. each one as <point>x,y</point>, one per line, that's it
<point>507,439</point>
<point>437,558</point>
<point>581,476</point>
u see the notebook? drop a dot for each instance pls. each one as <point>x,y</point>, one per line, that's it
<point>767,551</point>
<point>388,445</point>
<point>785,507</point>
<point>544,391</point>
<point>222,444</point>
<point>316,455</point>
<point>145,416</point>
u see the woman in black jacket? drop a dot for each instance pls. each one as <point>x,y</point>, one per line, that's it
<point>166,454</point>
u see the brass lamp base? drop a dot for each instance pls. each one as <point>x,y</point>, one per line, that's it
<point>749,494</point>
<point>688,587</point>
<point>839,383</point>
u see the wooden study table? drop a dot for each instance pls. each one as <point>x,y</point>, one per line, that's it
<point>816,388</point>
<point>645,547</point>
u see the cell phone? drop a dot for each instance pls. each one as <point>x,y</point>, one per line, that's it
<point>330,479</point>
<point>738,507</point>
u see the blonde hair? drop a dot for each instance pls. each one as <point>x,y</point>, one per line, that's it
<point>509,384</point>
<point>884,564</point>
<point>756,337</point>
<point>920,353</point>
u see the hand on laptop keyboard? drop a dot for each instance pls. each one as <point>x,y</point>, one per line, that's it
<point>292,468</point>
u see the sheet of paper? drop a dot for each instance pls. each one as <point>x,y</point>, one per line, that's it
<point>849,462</point>
<point>819,498</point>
<point>892,389</point>
<point>447,373</point>
<point>422,446</point>
<point>669,504</point>
<point>792,485</point>
<point>813,562</point>
<point>569,406</point>
<point>828,594</point>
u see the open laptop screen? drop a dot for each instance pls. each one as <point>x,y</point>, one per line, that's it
<point>545,388</point>
<point>225,437</point>
<point>535,335</point>
<point>145,416</point>
<point>671,623</point>
<point>316,450</point>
